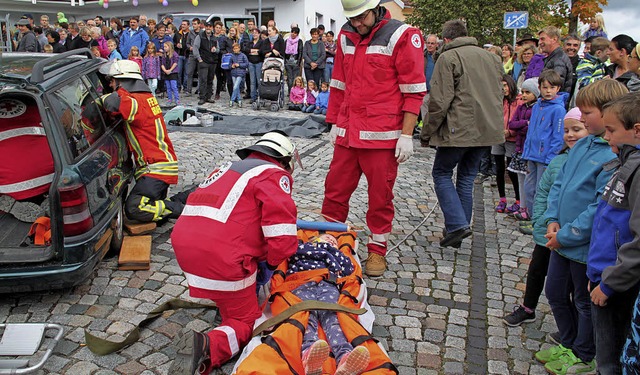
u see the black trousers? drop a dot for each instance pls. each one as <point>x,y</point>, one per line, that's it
<point>148,201</point>
<point>536,276</point>
<point>206,73</point>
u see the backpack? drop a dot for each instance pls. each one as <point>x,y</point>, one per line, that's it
<point>226,61</point>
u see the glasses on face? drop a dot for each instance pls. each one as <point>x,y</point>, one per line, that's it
<point>527,54</point>
<point>360,17</point>
<point>631,57</point>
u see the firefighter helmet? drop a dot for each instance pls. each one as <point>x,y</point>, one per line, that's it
<point>121,69</point>
<point>354,8</point>
<point>277,145</point>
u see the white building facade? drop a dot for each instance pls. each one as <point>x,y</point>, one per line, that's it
<point>306,13</point>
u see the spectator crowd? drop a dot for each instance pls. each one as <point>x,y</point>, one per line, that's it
<point>558,117</point>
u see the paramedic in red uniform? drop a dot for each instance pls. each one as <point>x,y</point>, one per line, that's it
<point>155,159</point>
<point>377,88</point>
<point>240,215</point>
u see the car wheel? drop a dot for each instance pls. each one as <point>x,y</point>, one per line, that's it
<point>117,225</point>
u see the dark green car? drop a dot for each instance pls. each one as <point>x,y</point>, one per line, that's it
<point>64,170</point>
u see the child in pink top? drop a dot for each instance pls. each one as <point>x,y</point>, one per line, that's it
<point>296,97</point>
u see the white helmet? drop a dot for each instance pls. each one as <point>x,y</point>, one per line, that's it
<point>353,8</point>
<point>275,144</point>
<point>121,69</point>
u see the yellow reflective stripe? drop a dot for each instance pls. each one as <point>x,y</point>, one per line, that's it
<point>162,168</point>
<point>158,209</point>
<point>134,110</point>
<point>135,145</point>
<point>160,137</point>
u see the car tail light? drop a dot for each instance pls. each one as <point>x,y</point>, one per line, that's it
<point>75,210</point>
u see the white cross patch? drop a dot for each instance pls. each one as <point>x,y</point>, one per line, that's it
<point>285,184</point>
<point>415,40</point>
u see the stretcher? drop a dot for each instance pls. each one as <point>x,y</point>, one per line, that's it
<point>278,334</point>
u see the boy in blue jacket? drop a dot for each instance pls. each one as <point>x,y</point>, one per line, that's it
<point>572,203</point>
<point>239,65</point>
<point>544,136</point>
<point>322,101</point>
<point>614,256</point>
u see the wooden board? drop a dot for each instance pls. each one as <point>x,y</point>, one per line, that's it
<point>136,229</point>
<point>135,253</point>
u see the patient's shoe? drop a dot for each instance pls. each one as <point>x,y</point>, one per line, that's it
<point>354,363</point>
<point>314,357</point>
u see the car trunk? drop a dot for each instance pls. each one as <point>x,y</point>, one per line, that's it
<point>26,173</point>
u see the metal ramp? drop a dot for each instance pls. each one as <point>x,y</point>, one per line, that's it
<point>21,340</point>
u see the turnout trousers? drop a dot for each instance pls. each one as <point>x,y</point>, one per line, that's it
<point>380,169</point>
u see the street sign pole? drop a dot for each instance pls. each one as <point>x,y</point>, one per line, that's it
<point>515,38</point>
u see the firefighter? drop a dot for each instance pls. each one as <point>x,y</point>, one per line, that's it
<point>377,87</point>
<point>146,132</point>
<point>240,215</point>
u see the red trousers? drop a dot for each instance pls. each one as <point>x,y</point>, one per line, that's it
<point>239,311</point>
<point>380,168</point>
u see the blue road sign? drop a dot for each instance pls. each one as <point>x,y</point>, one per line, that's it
<point>516,20</point>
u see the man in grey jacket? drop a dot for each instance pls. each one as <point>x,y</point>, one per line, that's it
<point>465,113</point>
<point>28,41</point>
<point>556,59</point>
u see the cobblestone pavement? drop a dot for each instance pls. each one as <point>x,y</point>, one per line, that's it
<point>438,311</point>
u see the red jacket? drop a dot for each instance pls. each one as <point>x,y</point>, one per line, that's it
<point>146,134</point>
<point>241,214</point>
<point>374,81</point>
<point>27,169</point>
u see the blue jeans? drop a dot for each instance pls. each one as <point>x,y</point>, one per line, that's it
<point>328,70</point>
<point>308,108</point>
<point>611,324</point>
<point>255,72</point>
<point>182,72</point>
<point>456,202</point>
<point>235,96</point>
<point>320,111</point>
<point>531,181</point>
<point>573,318</point>
<point>153,85</point>
<point>172,90</point>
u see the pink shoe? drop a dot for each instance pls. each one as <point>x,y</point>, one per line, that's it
<point>314,357</point>
<point>354,363</point>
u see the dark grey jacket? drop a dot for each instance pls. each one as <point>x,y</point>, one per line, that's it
<point>306,55</point>
<point>561,63</point>
<point>28,42</point>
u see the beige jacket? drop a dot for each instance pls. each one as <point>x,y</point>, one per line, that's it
<point>465,108</point>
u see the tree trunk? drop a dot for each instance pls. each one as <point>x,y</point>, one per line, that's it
<point>573,20</point>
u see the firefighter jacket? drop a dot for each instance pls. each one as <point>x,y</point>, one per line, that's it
<point>375,80</point>
<point>28,169</point>
<point>241,214</point>
<point>146,133</point>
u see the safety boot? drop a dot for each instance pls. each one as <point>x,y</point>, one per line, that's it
<point>376,265</point>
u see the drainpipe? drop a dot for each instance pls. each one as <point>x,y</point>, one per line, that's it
<point>259,13</point>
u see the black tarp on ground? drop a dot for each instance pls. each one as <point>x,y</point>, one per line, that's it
<point>309,127</point>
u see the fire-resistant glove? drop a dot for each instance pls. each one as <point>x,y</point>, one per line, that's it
<point>333,134</point>
<point>404,148</point>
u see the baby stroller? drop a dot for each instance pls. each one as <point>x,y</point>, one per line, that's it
<point>271,87</point>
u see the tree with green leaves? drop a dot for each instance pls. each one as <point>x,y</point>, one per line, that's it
<point>485,18</point>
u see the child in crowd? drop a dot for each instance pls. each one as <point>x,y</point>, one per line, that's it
<point>544,136</point>
<point>95,51</point>
<point>571,206</point>
<point>614,255</point>
<point>169,66</point>
<point>296,97</point>
<point>309,104</point>
<point>519,125</point>
<point>239,65</point>
<point>134,55</point>
<point>113,50</point>
<point>574,130</point>
<point>322,101</point>
<point>507,149</point>
<point>318,254</point>
<point>151,67</point>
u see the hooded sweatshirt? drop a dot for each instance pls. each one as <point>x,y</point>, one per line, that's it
<point>575,194</point>
<point>546,130</point>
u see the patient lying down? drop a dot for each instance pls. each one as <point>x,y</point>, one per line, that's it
<point>323,253</point>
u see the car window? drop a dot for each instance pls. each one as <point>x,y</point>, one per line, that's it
<point>79,114</point>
